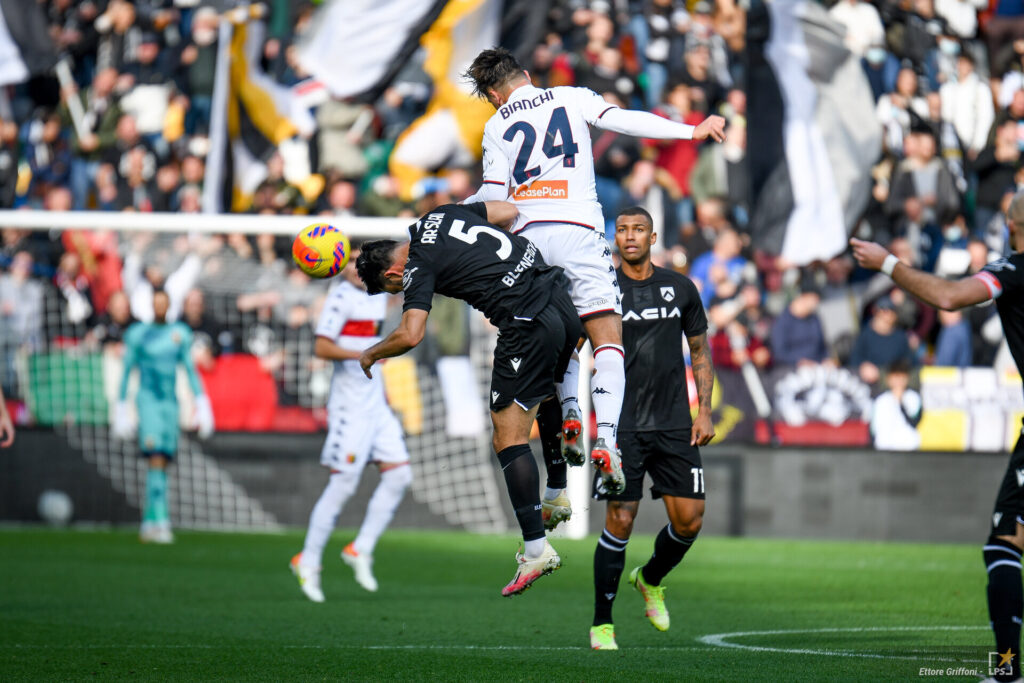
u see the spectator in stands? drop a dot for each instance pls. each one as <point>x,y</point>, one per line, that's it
<point>9,156</point>
<point>199,60</point>
<point>607,75</point>
<point>659,37</point>
<point>896,412</point>
<point>1004,27</point>
<point>950,149</point>
<point>953,346</point>
<point>166,187</point>
<point>706,91</point>
<point>1010,63</point>
<point>206,330</point>
<point>967,104</point>
<point>676,158</point>
<point>996,167</point>
<point>862,22</point>
<point>723,262</point>
<point>343,133</point>
<point>741,328</point>
<point>102,111</point>
<point>921,28</point>
<point>880,344</point>
<point>150,93</point>
<point>21,315</point>
<point>111,325</point>
<point>895,109</point>
<point>712,219</point>
<point>75,299</point>
<point>961,16</point>
<point>721,171</point>
<point>923,190</point>
<point>797,336</point>
<point>49,155</point>
<point>881,67</point>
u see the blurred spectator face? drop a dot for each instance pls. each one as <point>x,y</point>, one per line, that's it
<point>58,199</point>
<point>204,26</point>
<point>118,307</point>
<point>70,265</point>
<point>51,129</point>
<point>601,30</point>
<point>897,380</point>
<point>21,266</point>
<point>189,199</point>
<point>728,244</point>
<point>964,67</point>
<point>168,177</point>
<point>711,212</point>
<point>884,320</point>
<point>127,131</point>
<point>934,106</point>
<point>610,60</point>
<point>805,304</point>
<point>192,170</point>
<point>924,147</point>
<point>698,59</point>
<point>342,196</point>
<point>104,81</point>
<point>737,100</point>
<point>906,82</point>
<point>193,306</point>
<point>1016,107</point>
<point>924,7</point>
<point>148,51</point>
<point>679,98</point>
<point>837,271</point>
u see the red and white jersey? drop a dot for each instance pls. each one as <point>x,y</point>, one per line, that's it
<point>538,146</point>
<point>352,319</point>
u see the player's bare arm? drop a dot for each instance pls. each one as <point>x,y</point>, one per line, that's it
<point>502,214</point>
<point>406,336</point>
<point>328,350</point>
<point>704,378</point>
<point>935,291</point>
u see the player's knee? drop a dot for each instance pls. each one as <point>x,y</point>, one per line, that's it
<point>397,478</point>
<point>619,521</point>
<point>689,527</point>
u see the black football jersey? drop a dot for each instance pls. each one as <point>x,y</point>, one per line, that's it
<point>656,314</point>
<point>454,251</point>
<point>1008,291</point>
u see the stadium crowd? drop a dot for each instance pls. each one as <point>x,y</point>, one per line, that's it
<point>947,77</point>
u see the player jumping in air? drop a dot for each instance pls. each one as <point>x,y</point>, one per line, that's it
<point>454,250</point>
<point>656,433</point>
<point>156,349</point>
<point>537,154</point>
<point>1003,282</point>
<point>361,429</point>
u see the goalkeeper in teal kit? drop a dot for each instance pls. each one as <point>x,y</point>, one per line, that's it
<point>156,349</point>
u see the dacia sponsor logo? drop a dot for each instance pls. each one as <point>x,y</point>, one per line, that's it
<point>522,105</point>
<point>656,313</point>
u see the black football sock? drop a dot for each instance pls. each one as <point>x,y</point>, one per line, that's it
<point>669,549</point>
<point>609,559</point>
<point>549,424</point>
<point>523,483</point>
<point>1005,601</point>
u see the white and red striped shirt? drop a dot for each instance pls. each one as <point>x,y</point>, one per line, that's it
<point>352,319</point>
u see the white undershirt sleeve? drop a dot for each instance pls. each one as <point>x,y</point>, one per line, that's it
<point>643,124</point>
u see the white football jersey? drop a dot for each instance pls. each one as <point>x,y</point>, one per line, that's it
<point>538,146</point>
<point>352,319</point>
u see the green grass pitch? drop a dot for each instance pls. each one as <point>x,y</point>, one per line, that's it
<point>78,605</point>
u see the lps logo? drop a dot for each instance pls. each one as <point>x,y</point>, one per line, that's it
<point>1001,663</point>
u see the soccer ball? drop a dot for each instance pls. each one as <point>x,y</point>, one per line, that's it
<point>321,250</point>
<point>55,507</point>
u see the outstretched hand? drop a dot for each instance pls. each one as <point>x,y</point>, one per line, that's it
<point>869,255</point>
<point>713,127</point>
<point>366,362</point>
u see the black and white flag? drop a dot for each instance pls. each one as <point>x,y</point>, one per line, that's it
<point>812,133</point>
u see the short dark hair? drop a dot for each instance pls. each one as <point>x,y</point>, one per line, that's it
<point>492,69</point>
<point>373,262</point>
<point>635,211</point>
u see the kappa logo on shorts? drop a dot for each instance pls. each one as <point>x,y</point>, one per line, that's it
<point>517,361</point>
<point>668,293</point>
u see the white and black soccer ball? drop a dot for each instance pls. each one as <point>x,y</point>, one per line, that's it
<point>55,507</point>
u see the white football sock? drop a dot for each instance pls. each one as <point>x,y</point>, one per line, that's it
<point>607,388</point>
<point>382,506</point>
<point>533,549</point>
<point>551,494</point>
<point>569,388</point>
<point>339,489</point>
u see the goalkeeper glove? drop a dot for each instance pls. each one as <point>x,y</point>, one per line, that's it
<point>204,417</point>
<point>122,427</point>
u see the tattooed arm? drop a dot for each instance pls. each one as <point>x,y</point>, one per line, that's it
<point>704,377</point>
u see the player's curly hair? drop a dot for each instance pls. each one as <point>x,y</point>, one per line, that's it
<point>492,69</point>
<point>373,262</point>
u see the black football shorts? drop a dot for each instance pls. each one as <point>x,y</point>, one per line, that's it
<point>1009,510</point>
<point>674,465</point>
<point>531,355</point>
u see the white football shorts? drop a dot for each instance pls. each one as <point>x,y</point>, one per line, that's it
<point>355,438</point>
<point>587,259</point>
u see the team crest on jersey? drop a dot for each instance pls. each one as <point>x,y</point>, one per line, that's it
<point>350,458</point>
<point>176,337</point>
<point>668,293</point>
<point>407,276</point>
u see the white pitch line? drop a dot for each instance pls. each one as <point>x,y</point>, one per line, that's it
<point>720,640</point>
<point>500,648</point>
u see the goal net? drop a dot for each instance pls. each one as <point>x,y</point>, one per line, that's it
<point>71,283</point>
